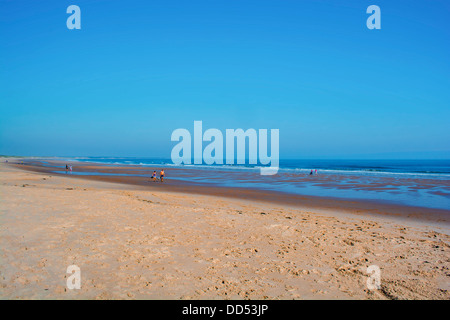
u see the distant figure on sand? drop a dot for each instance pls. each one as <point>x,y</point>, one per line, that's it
<point>315,172</point>
<point>311,173</point>
<point>161,175</point>
<point>67,168</point>
<point>154,176</point>
<point>70,168</point>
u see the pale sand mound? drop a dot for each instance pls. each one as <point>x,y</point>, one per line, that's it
<point>132,243</point>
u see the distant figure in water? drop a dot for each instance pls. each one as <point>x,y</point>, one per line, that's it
<point>161,175</point>
<point>154,176</point>
<point>67,168</point>
<point>311,173</point>
<point>70,168</point>
<point>315,172</point>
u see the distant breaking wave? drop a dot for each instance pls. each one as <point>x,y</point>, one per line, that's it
<point>409,168</point>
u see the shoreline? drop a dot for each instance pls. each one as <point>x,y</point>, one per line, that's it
<point>354,206</point>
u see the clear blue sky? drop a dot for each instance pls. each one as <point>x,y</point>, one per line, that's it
<point>137,70</point>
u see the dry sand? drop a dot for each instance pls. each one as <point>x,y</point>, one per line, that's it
<point>133,243</point>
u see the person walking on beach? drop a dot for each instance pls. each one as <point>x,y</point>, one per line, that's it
<point>67,168</point>
<point>315,172</point>
<point>161,175</point>
<point>311,173</point>
<point>154,176</point>
<point>70,168</point>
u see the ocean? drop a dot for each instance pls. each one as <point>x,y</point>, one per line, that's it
<point>422,183</point>
<point>418,168</point>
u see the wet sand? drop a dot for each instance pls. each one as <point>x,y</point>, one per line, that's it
<point>138,240</point>
<point>139,176</point>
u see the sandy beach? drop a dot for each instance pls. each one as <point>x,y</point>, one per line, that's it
<point>138,242</point>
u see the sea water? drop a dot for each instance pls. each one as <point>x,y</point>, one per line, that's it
<point>423,183</point>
